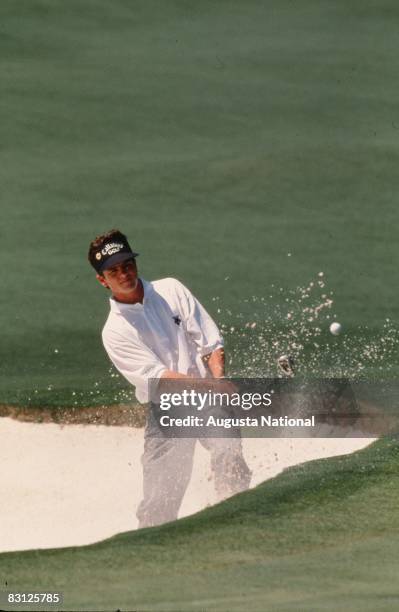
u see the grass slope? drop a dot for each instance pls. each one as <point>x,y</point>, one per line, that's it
<point>219,136</point>
<point>321,536</point>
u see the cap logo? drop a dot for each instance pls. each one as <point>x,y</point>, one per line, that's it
<point>110,251</point>
<point>112,247</point>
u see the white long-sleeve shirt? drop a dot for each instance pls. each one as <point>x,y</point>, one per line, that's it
<point>170,330</point>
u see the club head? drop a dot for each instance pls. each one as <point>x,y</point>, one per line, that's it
<point>286,365</point>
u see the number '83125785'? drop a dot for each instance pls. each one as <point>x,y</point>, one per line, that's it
<point>33,598</point>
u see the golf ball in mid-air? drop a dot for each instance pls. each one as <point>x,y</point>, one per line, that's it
<point>335,328</point>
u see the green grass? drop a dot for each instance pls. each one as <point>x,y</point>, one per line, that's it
<point>219,136</point>
<point>321,536</point>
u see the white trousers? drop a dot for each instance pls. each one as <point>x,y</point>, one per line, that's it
<point>167,466</point>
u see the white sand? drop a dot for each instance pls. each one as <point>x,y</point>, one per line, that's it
<point>77,484</point>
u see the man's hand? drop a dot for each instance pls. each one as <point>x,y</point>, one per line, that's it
<point>215,364</point>
<point>215,383</point>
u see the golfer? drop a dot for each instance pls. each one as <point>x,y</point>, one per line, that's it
<point>158,330</point>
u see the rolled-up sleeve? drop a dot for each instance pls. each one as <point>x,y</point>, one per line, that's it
<point>199,324</point>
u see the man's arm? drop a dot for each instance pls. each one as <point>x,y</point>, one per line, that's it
<point>172,374</point>
<point>203,332</point>
<point>215,363</point>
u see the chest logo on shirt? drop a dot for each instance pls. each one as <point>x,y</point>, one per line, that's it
<point>177,319</point>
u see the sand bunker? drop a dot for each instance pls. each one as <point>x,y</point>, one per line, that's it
<point>77,484</point>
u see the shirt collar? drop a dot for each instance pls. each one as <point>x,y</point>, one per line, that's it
<point>122,307</point>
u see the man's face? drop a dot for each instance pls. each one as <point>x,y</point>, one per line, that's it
<point>120,279</point>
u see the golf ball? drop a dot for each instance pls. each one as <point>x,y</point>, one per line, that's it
<point>335,328</point>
